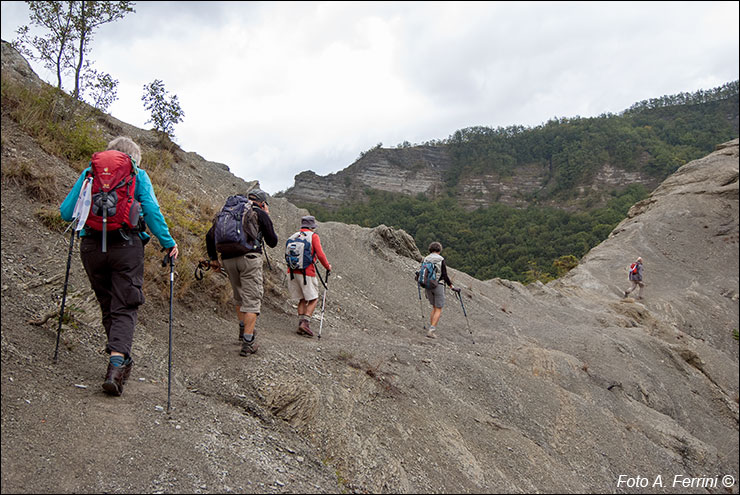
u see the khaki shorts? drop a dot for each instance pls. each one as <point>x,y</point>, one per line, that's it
<point>298,290</point>
<point>245,275</point>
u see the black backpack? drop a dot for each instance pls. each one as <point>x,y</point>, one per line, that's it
<point>236,229</point>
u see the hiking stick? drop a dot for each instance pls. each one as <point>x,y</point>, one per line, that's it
<point>323,302</point>
<point>269,266</point>
<point>169,358</point>
<point>316,265</point>
<point>421,308</point>
<point>64,293</point>
<point>466,315</point>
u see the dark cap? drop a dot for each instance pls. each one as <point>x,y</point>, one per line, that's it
<point>258,194</point>
<point>308,222</point>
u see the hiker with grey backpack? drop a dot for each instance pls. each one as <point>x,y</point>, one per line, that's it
<point>302,249</point>
<point>432,277</point>
<point>238,232</point>
<point>113,202</point>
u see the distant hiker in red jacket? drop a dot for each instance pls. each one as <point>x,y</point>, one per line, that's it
<point>302,249</point>
<point>635,276</point>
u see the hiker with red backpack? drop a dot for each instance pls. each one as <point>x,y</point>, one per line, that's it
<point>302,249</point>
<point>432,277</point>
<point>635,276</point>
<point>237,234</point>
<point>113,202</point>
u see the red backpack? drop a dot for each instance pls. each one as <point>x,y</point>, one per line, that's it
<point>113,204</point>
<point>633,268</point>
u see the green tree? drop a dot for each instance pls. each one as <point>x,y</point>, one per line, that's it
<point>102,89</point>
<point>55,49</point>
<point>564,264</point>
<point>70,27</point>
<point>165,110</point>
<point>88,16</point>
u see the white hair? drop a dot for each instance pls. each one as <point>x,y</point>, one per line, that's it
<point>126,145</point>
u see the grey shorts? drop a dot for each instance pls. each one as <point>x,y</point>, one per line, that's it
<point>436,296</point>
<point>245,275</point>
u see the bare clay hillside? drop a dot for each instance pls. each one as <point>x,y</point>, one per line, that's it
<point>563,388</point>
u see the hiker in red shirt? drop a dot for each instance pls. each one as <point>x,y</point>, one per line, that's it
<point>635,276</point>
<point>302,249</point>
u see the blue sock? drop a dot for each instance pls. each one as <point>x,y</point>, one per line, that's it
<point>116,360</point>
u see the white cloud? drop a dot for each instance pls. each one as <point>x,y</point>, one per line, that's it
<point>276,88</point>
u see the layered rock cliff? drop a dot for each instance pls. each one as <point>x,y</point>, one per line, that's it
<point>422,169</point>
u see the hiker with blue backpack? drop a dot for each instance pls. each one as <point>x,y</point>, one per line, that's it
<point>635,276</point>
<point>238,232</point>
<point>113,202</point>
<point>302,249</point>
<point>432,276</point>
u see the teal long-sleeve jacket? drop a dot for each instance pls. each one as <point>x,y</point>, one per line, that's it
<point>144,194</point>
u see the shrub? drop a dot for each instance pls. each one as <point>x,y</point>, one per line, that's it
<point>61,125</point>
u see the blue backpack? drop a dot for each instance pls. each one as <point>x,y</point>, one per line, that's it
<point>236,231</point>
<point>428,277</point>
<point>298,255</point>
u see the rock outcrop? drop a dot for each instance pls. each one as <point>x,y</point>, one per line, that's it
<point>409,171</point>
<point>421,170</point>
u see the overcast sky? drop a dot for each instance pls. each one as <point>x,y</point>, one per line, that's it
<point>276,88</point>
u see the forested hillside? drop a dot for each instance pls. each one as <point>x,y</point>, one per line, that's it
<point>656,135</point>
<point>541,243</point>
<point>537,243</point>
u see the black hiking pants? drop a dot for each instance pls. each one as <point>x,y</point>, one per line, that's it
<point>116,277</point>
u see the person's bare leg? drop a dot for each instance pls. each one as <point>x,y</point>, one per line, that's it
<point>434,318</point>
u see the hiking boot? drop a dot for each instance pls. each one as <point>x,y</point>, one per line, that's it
<point>626,293</point>
<point>248,348</point>
<point>126,372</point>
<point>114,379</point>
<point>304,329</point>
<point>431,334</point>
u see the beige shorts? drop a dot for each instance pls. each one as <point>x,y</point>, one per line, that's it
<point>298,290</point>
<point>245,275</point>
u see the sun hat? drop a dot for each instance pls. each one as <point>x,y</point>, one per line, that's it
<point>308,222</point>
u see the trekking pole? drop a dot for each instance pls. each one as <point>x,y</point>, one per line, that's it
<point>466,314</point>
<point>64,294</point>
<point>80,213</point>
<point>169,358</point>
<point>269,266</point>
<point>323,301</point>
<point>421,308</point>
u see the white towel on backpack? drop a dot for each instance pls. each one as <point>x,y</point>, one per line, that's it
<point>82,207</point>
